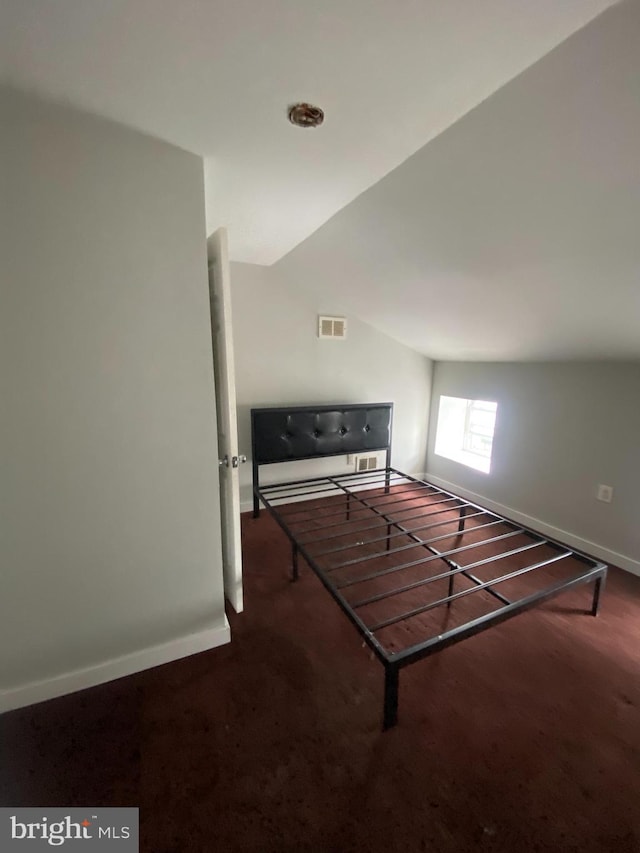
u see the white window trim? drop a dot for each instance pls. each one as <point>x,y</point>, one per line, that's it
<point>458,449</point>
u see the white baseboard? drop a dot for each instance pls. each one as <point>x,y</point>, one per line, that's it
<point>571,539</point>
<point>70,682</point>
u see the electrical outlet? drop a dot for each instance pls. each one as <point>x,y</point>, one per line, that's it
<point>605,493</point>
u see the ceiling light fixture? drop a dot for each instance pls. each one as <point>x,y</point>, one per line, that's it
<point>306,115</point>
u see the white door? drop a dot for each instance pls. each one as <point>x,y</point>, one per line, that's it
<point>221,332</point>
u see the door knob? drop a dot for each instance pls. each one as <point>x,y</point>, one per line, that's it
<point>224,461</point>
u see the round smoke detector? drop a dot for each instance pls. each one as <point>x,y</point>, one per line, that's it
<point>306,115</point>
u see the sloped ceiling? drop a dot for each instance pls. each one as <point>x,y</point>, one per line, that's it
<point>216,77</point>
<point>510,232</point>
<point>515,234</point>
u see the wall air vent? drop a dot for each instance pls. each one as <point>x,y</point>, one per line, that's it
<point>332,327</point>
<point>366,463</point>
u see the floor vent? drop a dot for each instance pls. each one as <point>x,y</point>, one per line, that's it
<point>366,463</point>
<point>332,327</point>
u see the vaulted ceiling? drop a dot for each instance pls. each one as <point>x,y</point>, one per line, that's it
<point>514,235</point>
<point>216,77</point>
<point>473,192</point>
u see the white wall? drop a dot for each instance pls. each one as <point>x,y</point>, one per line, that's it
<point>280,360</point>
<point>109,545</point>
<point>561,429</point>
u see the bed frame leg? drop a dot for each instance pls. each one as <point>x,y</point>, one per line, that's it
<point>390,697</point>
<point>463,513</point>
<point>294,562</point>
<point>450,593</point>
<point>256,507</point>
<point>597,590</point>
<point>348,505</point>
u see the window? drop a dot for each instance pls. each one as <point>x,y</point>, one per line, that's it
<point>465,431</point>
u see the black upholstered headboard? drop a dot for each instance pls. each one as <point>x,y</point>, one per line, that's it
<point>291,433</point>
<point>306,432</point>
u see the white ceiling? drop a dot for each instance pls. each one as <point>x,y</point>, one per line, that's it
<point>216,76</point>
<point>510,232</point>
<point>515,234</point>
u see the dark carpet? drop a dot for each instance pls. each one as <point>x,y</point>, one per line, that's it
<point>523,738</point>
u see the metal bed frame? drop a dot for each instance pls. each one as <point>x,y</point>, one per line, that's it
<point>306,432</point>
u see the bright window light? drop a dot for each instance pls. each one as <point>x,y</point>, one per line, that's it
<point>465,431</point>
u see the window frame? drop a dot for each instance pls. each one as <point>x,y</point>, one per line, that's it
<point>464,448</point>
